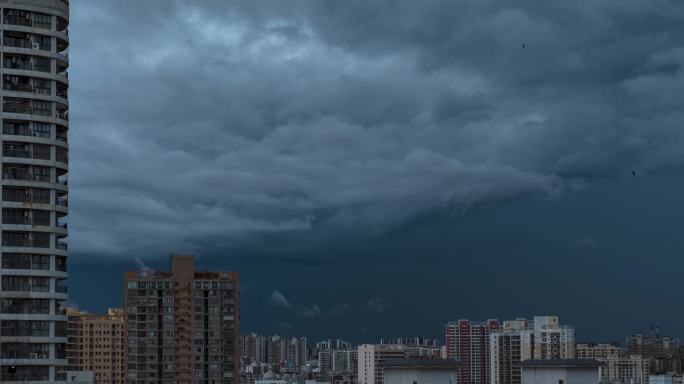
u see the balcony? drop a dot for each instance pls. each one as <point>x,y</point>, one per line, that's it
<point>61,289</point>
<point>22,153</point>
<point>62,246</point>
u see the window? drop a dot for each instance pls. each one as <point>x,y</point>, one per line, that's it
<point>41,129</point>
<point>40,195</point>
<point>43,108</point>
<point>42,20</point>
<point>15,283</point>
<point>60,263</point>
<point>42,64</point>
<point>16,261</point>
<point>41,152</point>
<point>15,127</point>
<point>41,218</point>
<point>41,284</point>
<point>41,173</point>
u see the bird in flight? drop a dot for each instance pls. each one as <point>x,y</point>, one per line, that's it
<point>523,45</point>
<point>634,173</point>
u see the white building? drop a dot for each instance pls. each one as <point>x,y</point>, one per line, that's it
<point>665,379</point>
<point>628,370</point>
<point>552,340</point>
<point>565,371</point>
<point>597,351</point>
<point>519,340</point>
<point>421,371</point>
<point>371,355</point>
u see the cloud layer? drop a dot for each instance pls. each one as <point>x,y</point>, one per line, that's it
<point>196,124</point>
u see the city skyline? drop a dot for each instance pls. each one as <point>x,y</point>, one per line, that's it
<point>325,152</point>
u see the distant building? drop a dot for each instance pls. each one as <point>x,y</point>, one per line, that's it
<point>370,357</point>
<point>468,342</point>
<point>97,343</point>
<point>553,340</point>
<point>561,371</point>
<point>509,347</point>
<point>519,340</point>
<point>182,325</point>
<point>665,379</point>
<point>663,352</point>
<point>652,345</point>
<point>597,351</point>
<point>421,371</point>
<point>626,370</point>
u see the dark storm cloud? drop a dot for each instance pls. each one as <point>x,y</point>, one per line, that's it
<point>196,122</point>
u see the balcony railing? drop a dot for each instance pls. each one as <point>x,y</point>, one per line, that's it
<point>25,43</point>
<point>17,87</point>
<point>23,65</point>
<point>23,153</point>
<point>26,176</point>
<point>62,115</point>
<point>25,243</point>
<point>60,289</point>
<point>62,246</point>
<point>23,21</point>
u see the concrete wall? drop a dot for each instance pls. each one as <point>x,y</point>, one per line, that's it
<point>421,376</point>
<point>553,375</point>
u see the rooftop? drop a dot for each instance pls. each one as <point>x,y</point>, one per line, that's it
<point>420,363</point>
<point>563,363</point>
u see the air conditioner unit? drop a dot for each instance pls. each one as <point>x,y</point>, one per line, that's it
<point>33,356</point>
<point>35,45</point>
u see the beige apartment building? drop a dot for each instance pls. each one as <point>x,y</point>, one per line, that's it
<point>97,343</point>
<point>371,357</point>
<point>182,325</point>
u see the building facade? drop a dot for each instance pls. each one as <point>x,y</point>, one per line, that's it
<point>97,343</point>
<point>626,370</point>
<point>561,371</point>
<point>597,351</point>
<point>370,358</point>
<point>34,189</point>
<point>519,340</point>
<point>426,371</point>
<point>553,340</point>
<point>468,342</point>
<point>182,325</point>
<point>509,347</point>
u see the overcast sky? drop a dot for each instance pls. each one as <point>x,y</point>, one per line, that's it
<point>375,167</point>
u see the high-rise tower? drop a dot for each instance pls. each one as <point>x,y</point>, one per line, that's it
<point>34,162</point>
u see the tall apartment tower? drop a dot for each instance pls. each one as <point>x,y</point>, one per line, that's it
<point>371,355</point>
<point>97,343</point>
<point>519,340</point>
<point>34,189</point>
<point>509,347</point>
<point>182,325</point>
<point>553,340</point>
<point>468,342</point>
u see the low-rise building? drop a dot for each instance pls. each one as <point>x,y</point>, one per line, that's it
<point>561,371</point>
<point>421,371</point>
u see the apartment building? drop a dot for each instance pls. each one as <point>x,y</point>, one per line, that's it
<point>97,343</point>
<point>34,191</point>
<point>182,325</point>
<point>370,357</point>
<point>468,342</point>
